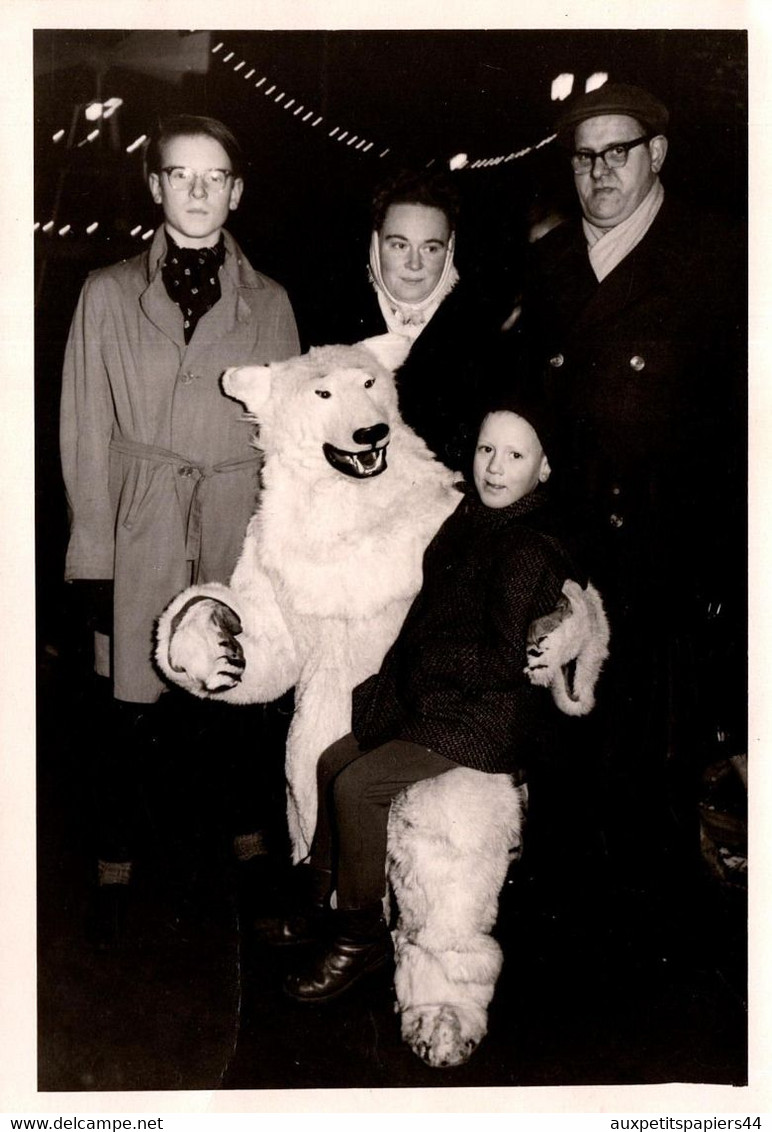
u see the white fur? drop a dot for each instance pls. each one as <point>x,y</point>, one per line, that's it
<point>451,840</point>
<point>329,567</point>
<point>581,635</point>
<point>330,564</point>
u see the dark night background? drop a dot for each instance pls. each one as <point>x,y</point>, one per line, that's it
<point>303,219</point>
<point>188,1007</point>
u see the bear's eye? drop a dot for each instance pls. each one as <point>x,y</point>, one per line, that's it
<point>323,393</point>
<point>370,383</point>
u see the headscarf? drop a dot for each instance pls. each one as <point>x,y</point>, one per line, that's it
<point>406,318</point>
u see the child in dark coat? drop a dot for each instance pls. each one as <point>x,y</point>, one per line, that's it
<point>451,691</point>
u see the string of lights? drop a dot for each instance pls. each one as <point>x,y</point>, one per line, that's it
<point>309,116</point>
<point>49,229</point>
<point>562,87</point>
<point>461,160</point>
<point>93,112</point>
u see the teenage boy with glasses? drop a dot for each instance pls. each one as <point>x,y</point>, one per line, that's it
<point>159,468</point>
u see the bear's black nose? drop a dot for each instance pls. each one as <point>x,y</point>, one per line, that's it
<point>370,435</point>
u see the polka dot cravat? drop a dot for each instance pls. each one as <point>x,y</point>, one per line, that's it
<point>192,280</point>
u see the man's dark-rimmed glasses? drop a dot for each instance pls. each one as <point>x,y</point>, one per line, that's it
<point>613,156</point>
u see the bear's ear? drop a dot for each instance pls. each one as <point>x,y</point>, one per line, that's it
<point>390,349</point>
<point>249,384</point>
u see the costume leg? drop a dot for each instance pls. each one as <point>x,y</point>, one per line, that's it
<point>362,792</point>
<point>450,843</point>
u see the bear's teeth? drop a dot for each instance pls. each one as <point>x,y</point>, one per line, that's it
<point>367,462</point>
<point>361,465</point>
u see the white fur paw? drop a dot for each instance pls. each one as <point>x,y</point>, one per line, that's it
<point>203,649</point>
<point>443,1036</point>
<point>548,645</point>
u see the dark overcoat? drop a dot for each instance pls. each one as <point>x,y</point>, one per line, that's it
<point>645,371</point>
<point>645,375</point>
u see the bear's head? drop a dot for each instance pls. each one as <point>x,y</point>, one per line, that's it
<point>333,410</point>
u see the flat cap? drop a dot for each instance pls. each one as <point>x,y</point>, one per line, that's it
<point>615,98</point>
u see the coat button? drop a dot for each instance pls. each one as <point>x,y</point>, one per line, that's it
<point>186,471</point>
<point>616,520</point>
<point>616,489</point>
<point>637,362</point>
<point>186,378</point>
<point>557,361</point>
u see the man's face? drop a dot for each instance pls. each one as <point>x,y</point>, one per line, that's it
<point>609,196</point>
<point>195,215</point>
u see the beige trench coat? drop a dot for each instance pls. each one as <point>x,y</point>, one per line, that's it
<point>160,474</point>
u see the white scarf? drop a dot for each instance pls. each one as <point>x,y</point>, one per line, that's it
<point>409,319</point>
<point>609,246</point>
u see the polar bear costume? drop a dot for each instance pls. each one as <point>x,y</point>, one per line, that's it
<point>331,562</point>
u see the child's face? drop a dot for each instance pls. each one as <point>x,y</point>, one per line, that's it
<point>508,461</point>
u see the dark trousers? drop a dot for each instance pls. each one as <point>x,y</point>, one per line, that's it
<point>184,768</point>
<point>355,789</point>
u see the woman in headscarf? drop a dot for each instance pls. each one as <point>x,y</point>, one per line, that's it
<point>415,291</point>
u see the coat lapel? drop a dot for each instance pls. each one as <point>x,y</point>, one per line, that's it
<point>569,283</point>
<point>154,301</point>
<point>162,312</point>
<point>636,276</point>
<point>234,306</point>
<point>221,320</point>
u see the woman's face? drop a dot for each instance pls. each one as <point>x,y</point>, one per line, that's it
<point>413,243</point>
<point>195,215</point>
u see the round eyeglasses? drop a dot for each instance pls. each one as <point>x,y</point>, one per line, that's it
<point>613,156</point>
<point>182,178</point>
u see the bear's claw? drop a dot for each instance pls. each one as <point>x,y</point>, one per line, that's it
<point>203,646</point>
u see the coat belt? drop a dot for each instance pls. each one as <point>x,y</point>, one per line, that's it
<point>187,469</point>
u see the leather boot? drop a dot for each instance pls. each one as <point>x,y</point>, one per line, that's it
<point>305,921</point>
<point>361,946</point>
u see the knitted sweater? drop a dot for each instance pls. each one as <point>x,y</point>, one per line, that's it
<point>453,680</point>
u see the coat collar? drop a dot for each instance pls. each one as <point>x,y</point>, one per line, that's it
<point>496,518</point>
<point>635,276</point>
<point>571,284</point>
<point>238,280</point>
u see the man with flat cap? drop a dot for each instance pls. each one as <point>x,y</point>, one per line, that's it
<point>632,320</point>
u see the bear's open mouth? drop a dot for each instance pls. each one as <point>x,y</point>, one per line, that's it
<point>361,465</point>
